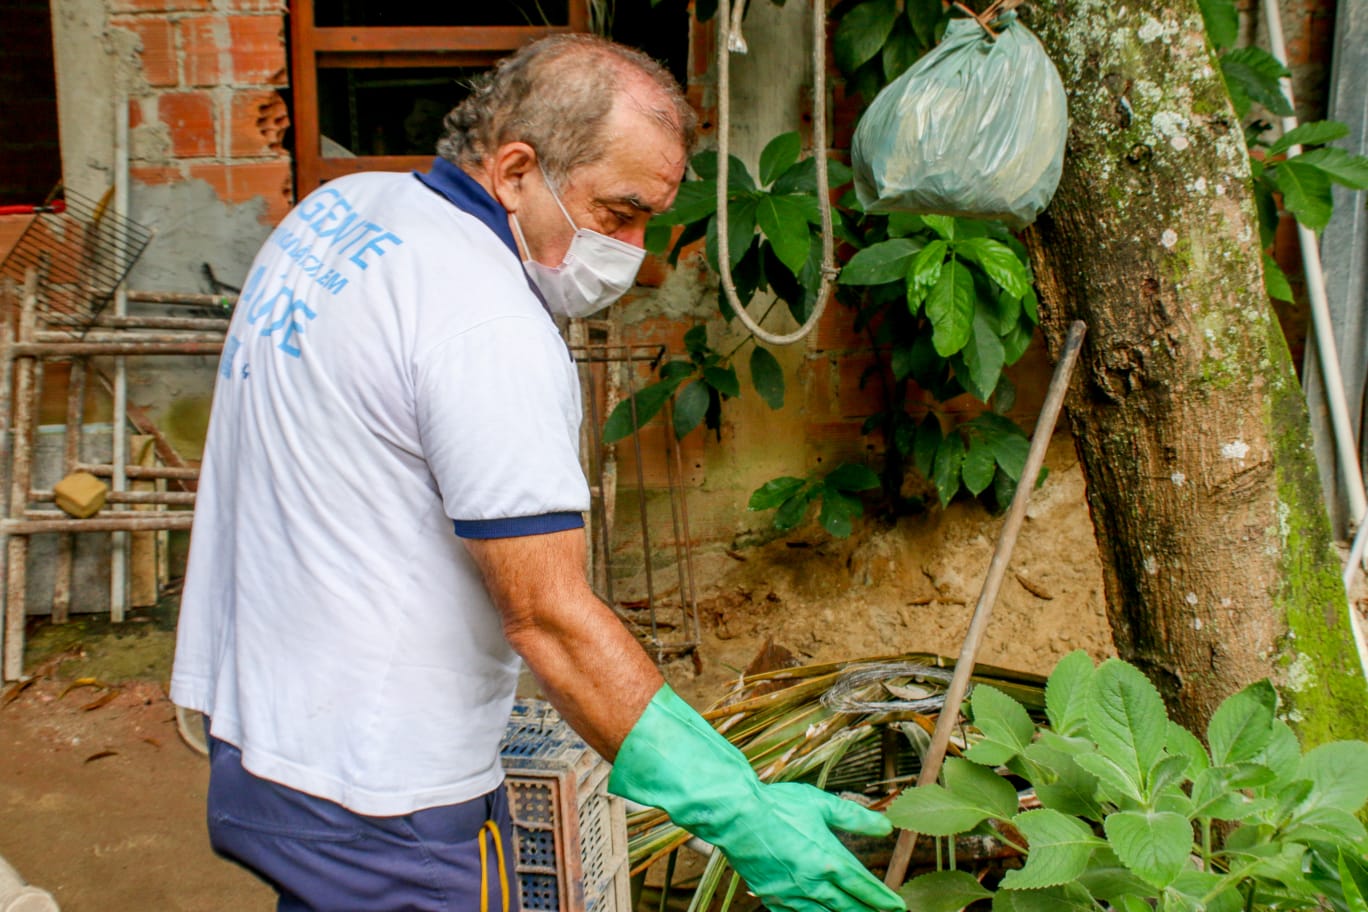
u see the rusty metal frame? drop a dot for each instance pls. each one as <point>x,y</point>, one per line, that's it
<point>313,48</point>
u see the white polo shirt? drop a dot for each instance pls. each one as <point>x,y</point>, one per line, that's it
<point>389,375</point>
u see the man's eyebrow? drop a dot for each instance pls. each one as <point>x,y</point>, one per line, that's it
<point>630,199</point>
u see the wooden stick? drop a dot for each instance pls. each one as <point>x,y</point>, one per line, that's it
<point>66,544</point>
<point>21,467</point>
<point>997,569</point>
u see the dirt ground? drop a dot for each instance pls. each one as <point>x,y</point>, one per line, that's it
<point>101,802</point>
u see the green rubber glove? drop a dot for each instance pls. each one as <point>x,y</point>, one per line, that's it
<point>778,837</point>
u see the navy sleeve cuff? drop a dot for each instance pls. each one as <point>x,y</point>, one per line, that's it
<point>516,526</point>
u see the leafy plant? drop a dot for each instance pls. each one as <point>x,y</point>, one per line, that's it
<point>1302,181</point>
<point>1130,804</point>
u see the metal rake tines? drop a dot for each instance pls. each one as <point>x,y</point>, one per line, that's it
<point>81,251</point>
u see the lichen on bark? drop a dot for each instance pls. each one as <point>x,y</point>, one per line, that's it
<point>1187,415</point>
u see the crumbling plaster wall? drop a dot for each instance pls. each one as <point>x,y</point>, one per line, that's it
<point>207,170</point>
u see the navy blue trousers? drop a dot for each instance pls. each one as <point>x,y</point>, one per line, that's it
<point>321,857</point>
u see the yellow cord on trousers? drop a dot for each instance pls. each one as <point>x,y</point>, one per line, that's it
<point>492,827</point>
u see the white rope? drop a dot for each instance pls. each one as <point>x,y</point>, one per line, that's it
<point>727,34</point>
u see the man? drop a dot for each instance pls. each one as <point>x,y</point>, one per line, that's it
<point>393,371</point>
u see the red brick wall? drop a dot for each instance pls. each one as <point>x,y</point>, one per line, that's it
<point>212,73</point>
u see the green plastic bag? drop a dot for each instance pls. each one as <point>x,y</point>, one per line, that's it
<point>976,128</point>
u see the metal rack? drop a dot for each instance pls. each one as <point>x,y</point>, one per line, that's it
<point>666,622</point>
<point>38,336</point>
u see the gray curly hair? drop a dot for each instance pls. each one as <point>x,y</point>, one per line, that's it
<point>555,95</point>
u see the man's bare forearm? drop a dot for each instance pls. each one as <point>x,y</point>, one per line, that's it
<point>591,668</point>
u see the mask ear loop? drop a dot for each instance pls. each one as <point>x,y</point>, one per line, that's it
<point>819,141</point>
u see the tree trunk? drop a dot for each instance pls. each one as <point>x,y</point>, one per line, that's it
<point>1188,417</point>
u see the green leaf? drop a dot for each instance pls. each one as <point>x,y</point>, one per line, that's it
<point>1315,133</point>
<point>1283,753</point>
<point>1060,848</point>
<point>901,224</point>
<point>1275,280</point>
<point>802,177</point>
<point>1306,192</point>
<point>942,891</point>
<point>1065,693</point>
<point>924,272</point>
<point>689,408</point>
<point>983,355</point>
<point>658,235</point>
<point>925,445</point>
<point>740,227</point>
<point>792,511</point>
<point>943,225</point>
<point>1217,791</point>
<point>886,261</point>
<point>994,795</point>
<point>1114,783</point>
<point>647,402</point>
<point>1252,75</point>
<point>1339,771</point>
<point>780,154</point>
<point>1009,442</point>
<point>1353,881</point>
<point>1007,728</point>
<point>950,308</point>
<point>1154,845</point>
<point>767,376</point>
<point>852,476</point>
<point>925,15</point>
<point>696,200</point>
<point>1064,898</point>
<point>1183,743</point>
<point>838,511</point>
<point>704,164</point>
<point>946,475</point>
<point>862,32</point>
<point>784,223</point>
<point>900,51</point>
<point>1242,725</point>
<point>696,340</point>
<point>774,492</point>
<point>1126,717</point>
<point>1222,22</point>
<point>999,262</point>
<point>1108,879</point>
<point>723,379</point>
<point>936,811</point>
<point>979,466</point>
<point>1340,166</point>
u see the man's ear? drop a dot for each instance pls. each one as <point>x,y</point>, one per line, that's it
<point>508,170</point>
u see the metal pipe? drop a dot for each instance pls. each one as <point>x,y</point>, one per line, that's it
<point>71,455</point>
<point>104,470</point>
<point>186,299</point>
<point>21,454</point>
<point>164,498</point>
<point>1326,349</point>
<point>17,529</point>
<point>118,542</point>
<point>136,321</point>
<point>1346,448</point>
<point>54,337</point>
<point>69,349</point>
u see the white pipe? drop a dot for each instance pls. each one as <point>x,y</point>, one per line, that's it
<point>118,541</point>
<point>1333,381</point>
<point>1350,570</point>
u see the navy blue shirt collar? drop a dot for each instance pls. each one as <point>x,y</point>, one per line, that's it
<point>467,195</point>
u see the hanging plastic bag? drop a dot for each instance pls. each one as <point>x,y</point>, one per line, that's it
<point>976,128</point>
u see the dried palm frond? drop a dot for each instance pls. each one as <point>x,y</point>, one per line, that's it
<point>858,727</point>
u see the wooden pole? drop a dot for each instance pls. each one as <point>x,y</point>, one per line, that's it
<point>21,452</point>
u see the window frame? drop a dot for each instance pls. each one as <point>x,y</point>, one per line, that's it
<point>379,47</point>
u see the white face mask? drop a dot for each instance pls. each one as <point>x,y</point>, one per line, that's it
<point>596,270</point>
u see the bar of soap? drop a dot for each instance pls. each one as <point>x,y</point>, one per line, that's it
<point>80,494</point>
